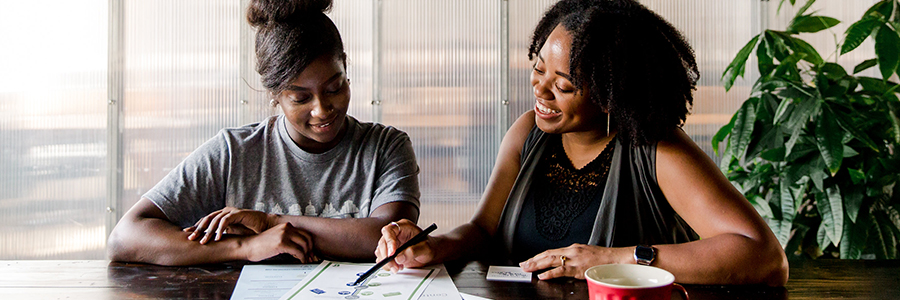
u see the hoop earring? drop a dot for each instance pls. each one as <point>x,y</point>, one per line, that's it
<point>273,103</point>
<point>607,123</point>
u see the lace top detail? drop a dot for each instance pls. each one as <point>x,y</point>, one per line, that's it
<point>562,193</point>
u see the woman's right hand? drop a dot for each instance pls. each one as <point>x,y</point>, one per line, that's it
<point>395,234</point>
<point>281,238</point>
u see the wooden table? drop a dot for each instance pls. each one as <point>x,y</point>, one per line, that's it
<point>97,279</point>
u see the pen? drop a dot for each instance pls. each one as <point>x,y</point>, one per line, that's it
<point>415,240</point>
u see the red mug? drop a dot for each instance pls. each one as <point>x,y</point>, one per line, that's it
<point>631,282</point>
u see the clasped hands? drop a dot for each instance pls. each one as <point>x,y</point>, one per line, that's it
<point>264,237</point>
<point>578,257</point>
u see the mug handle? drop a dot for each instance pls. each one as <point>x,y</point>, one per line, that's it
<point>681,289</point>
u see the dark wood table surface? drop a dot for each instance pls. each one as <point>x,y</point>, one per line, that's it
<point>97,279</point>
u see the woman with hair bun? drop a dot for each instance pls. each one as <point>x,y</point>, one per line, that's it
<point>600,172</point>
<point>311,183</point>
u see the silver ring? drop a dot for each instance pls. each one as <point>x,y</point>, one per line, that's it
<point>395,224</point>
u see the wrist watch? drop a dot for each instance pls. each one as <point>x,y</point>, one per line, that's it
<point>644,254</point>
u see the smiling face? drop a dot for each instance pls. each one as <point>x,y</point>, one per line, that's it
<point>560,107</point>
<point>315,104</point>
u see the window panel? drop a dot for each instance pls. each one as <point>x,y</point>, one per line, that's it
<point>53,129</point>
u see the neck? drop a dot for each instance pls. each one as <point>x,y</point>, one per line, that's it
<point>583,147</point>
<point>586,139</point>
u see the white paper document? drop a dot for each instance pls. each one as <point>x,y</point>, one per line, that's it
<point>442,288</point>
<point>269,282</point>
<point>334,280</point>
<point>508,274</point>
<point>472,297</point>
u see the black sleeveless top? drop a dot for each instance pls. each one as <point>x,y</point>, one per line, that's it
<point>631,209</point>
<point>562,203</point>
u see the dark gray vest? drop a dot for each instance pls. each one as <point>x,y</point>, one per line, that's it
<point>633,209</point>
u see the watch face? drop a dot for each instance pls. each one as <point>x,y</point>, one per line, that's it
<point>643,252</point>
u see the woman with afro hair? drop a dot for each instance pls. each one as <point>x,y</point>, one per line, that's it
<point>600,171</point>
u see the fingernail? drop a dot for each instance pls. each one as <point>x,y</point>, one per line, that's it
<point>542,276</point>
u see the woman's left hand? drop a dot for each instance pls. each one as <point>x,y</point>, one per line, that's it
<point>235,220</point>
<point>571,261</point>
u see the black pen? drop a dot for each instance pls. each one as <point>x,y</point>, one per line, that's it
<point>415,240</point>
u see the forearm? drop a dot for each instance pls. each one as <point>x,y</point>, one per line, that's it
<point>722,259</point>
<point>156,241</point>
<point>463,243</point>
<point>353,238</point>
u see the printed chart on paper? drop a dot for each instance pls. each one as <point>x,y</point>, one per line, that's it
<point>334,280</point>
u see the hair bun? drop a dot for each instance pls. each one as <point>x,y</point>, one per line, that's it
<point>262,12</point>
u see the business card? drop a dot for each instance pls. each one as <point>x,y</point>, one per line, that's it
<point>501,273</point>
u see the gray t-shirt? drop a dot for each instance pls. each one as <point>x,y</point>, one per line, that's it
<point>259,167</point>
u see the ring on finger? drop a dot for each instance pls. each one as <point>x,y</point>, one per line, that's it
<point>395,224</point>
<point>562,259</point>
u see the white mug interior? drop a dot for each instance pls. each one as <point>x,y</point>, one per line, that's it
<point>627,276</point>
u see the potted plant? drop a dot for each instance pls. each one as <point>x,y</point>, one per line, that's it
<point>815,147</point>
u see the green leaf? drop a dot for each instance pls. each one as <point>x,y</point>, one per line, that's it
<point>852,201</point>
<point>857,176</point>
<point>828,137</point>
<point>857,33</point>
<point>845,122</point>
<point>880,10</point>
<point>878,243</point>
<point>887,49</point>
<point>797,121</point>
<point>722,133</point>
<point>736,67</point>
<point>742,132</point>
<point>778,45</point>
<point>761,205</point>
<point>764,55</point>
<point>788,212</point>
<point>849,151</point>
<point>817,173</point>
<point>799,151</point>
<point>822,237</point>
<point>789,69</point>
<point>802,46</point>
<point>769,85</point>
<point>776,154</point>
<point>854,239</point>
<point>810,23</point>
<point>804,8</point>
<point>895,125</point>
<point>782,109</point>
<point>832,211</point>
<point>865,65</point>
<point>833,71</point>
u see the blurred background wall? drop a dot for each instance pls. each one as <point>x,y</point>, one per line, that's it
<point>99,99</point>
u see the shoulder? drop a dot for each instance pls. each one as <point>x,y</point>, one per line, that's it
<point>376,130</point>
<point>516,136</point>
<point>522,129</point>
<point>677,147</point>
<point>250,133</point>
<point>680,162</point>
<point>379,139</point>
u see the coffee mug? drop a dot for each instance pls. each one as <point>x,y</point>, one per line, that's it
<point>627,282</point>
